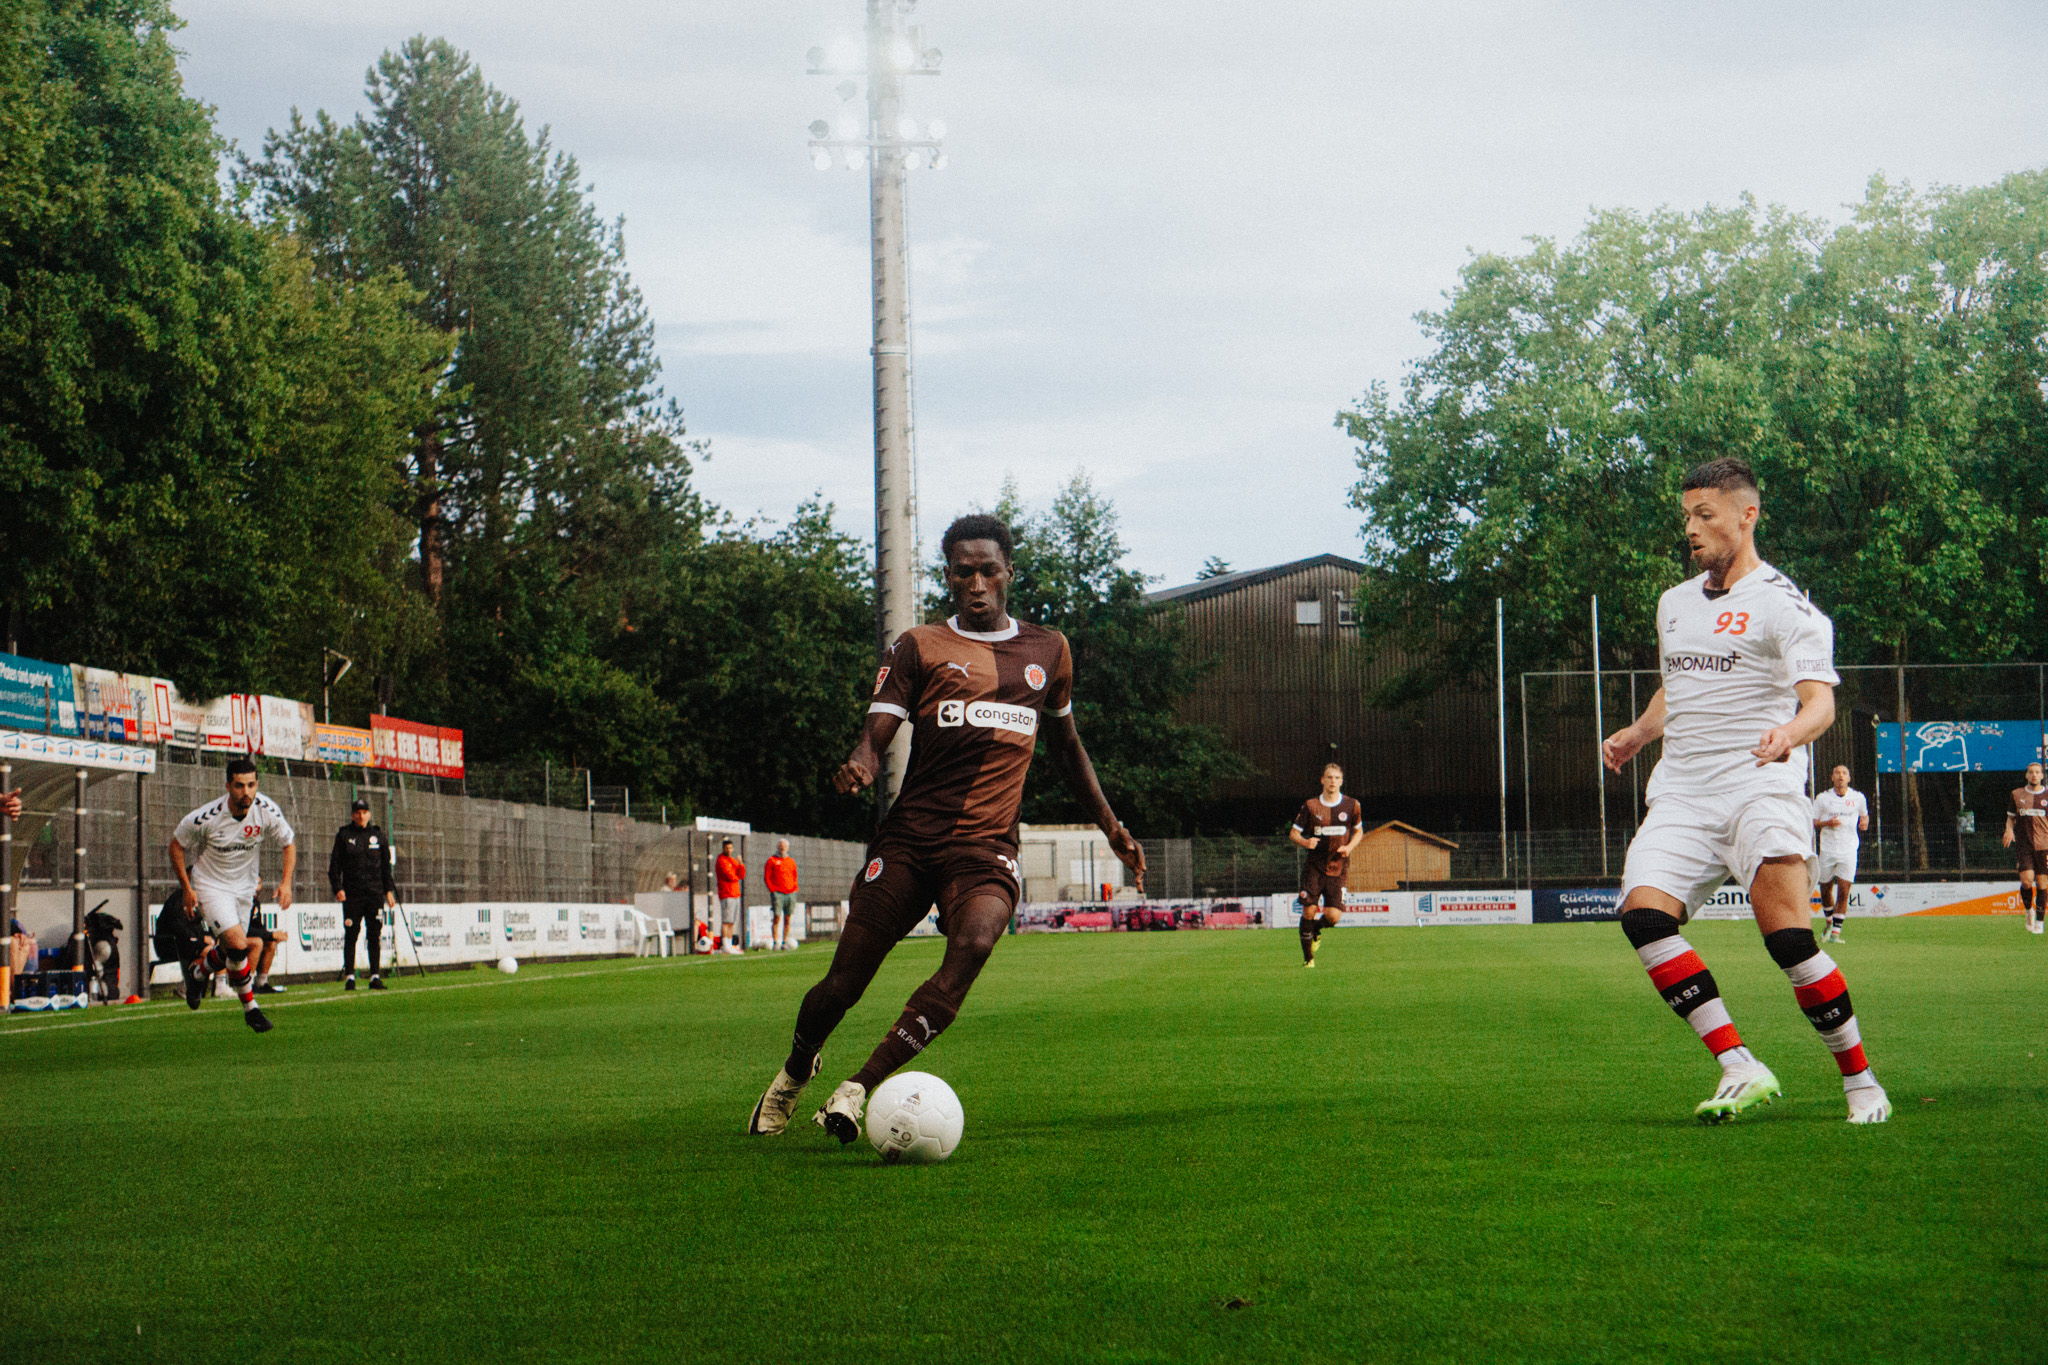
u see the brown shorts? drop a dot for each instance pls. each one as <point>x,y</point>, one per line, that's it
<point>901,882</point>
<point>1319,886</point>
<point>2033,860</point>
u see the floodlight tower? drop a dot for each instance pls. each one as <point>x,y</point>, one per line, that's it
<point>888,143</point>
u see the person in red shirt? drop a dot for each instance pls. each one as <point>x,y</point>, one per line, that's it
<point>732,884</point>
<point>780,874</point>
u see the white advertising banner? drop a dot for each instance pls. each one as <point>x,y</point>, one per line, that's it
<point>1473,907</point>
<point>1886,899</point>
<point>1395,908</point>
<point>446,934</point>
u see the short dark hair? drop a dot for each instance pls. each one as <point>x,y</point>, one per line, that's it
<point>976,526</point>
<point>1727,474</point>
<point>238,766</point>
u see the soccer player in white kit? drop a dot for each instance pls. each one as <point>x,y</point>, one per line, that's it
<point>1840,814</point>
<point>1749,679</point>
<point>225,839</point>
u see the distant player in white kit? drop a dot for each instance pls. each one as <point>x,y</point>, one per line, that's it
<point>1840,814</point>
<point>224,840</point>
<point>1749,681</point>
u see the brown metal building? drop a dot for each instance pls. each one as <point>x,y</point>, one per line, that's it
<point>1289,691</point>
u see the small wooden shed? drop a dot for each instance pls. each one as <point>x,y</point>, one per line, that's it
<point>1394,853</point>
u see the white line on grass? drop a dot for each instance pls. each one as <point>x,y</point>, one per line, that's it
<point>169,1013</point>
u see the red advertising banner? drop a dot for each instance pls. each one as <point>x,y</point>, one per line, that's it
<point>406,746</point>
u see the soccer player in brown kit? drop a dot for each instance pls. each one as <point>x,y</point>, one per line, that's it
<point>2026,834</point>
<point>974,691</point>
<point>1329,827</point>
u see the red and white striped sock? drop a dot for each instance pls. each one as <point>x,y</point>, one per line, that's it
<point>1818,986</point>
<point>1688,987</point>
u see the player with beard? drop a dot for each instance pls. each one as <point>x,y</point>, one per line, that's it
<point>2026,834</point>
<point>1749,682</point>
<point>224,840</point>
<point>975,691</point>
<point>1329,826</point>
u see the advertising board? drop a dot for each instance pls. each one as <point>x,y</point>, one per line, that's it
<point>1961,746</point>
<point>342,744</point>
<point>407,746</point>
<point>1472,907</point>
<point>1390,908</point>
<point>1575,905</point>
<point>37,696</point>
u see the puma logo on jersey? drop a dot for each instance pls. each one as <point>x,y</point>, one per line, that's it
<point>965,672</point>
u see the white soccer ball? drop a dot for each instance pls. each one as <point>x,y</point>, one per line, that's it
<point>508,964</point>
<point>914,1116</point>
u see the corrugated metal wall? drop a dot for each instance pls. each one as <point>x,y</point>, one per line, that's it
<point>1291,698</point>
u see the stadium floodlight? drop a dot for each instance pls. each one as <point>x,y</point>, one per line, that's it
<point>887,142</point>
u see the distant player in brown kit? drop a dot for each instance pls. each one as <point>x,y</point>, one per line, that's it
<point>974,691</point>
<point>2026,834</point>
<point>1329,827</point>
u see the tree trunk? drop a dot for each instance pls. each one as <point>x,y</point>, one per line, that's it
<point>432,550</point>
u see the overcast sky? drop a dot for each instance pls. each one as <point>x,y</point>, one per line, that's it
<point>1173,239</point>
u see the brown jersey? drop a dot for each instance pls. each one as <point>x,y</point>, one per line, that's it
<point>2028,812</point>
<point>1331,827</point>
<point>973,701</point>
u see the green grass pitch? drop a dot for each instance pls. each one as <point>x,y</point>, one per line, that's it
<point>1470,1144</point>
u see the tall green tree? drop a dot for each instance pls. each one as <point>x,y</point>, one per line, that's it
<point>194,438</point>
<point>1883,381</point>
<point>1132,667</point>
<point>552,480</point>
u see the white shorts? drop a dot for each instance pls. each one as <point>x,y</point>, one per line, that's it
<point>222,908</point>
<point>1688,845</point>
<point>1836,864</point>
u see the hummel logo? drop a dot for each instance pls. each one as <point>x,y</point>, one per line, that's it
<point>965,672</point>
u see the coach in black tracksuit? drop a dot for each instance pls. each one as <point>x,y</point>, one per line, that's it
<point>359,870</point>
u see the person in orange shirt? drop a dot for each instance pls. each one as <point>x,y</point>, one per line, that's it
<point>780,874</point>
<point>732,885</point>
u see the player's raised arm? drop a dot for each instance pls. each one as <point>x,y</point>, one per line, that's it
<point>1063,741</point>
<point>1624,744</point>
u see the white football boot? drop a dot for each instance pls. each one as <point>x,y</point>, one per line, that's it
<point>1741,1087</point>
<point>1868,1104</point>
<point>778,1101</point>
<point>841,1115</point>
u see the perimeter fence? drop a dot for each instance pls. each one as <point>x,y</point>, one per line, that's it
<point>447,846</point>
<point>1575,819</point>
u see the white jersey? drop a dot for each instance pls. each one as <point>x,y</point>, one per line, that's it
<point>223,851</point>
<point>1848,808</point>
<point>1730,660</point>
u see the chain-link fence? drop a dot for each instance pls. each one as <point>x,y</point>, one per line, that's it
<point>446,846</point>
<point>1943,823</point>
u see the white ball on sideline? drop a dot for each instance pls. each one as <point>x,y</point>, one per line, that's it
<point>508,964</point>
<point>915,1117</point>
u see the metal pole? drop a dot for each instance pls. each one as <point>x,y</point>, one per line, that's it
<point>1500,695</point>
<point>1599,733</point>
<point>79,956</point>
<point>1635,800</point>
<point>1528,826</point>
<point>1877,778</point>
<point>6,893</point>
<point>895,497</point>
<point>1905,793</point>
<point>136,948</point>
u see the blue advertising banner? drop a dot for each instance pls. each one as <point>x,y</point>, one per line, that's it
<point>1961,746</point>
<point>33,692</point>
<point>1575,904</point>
